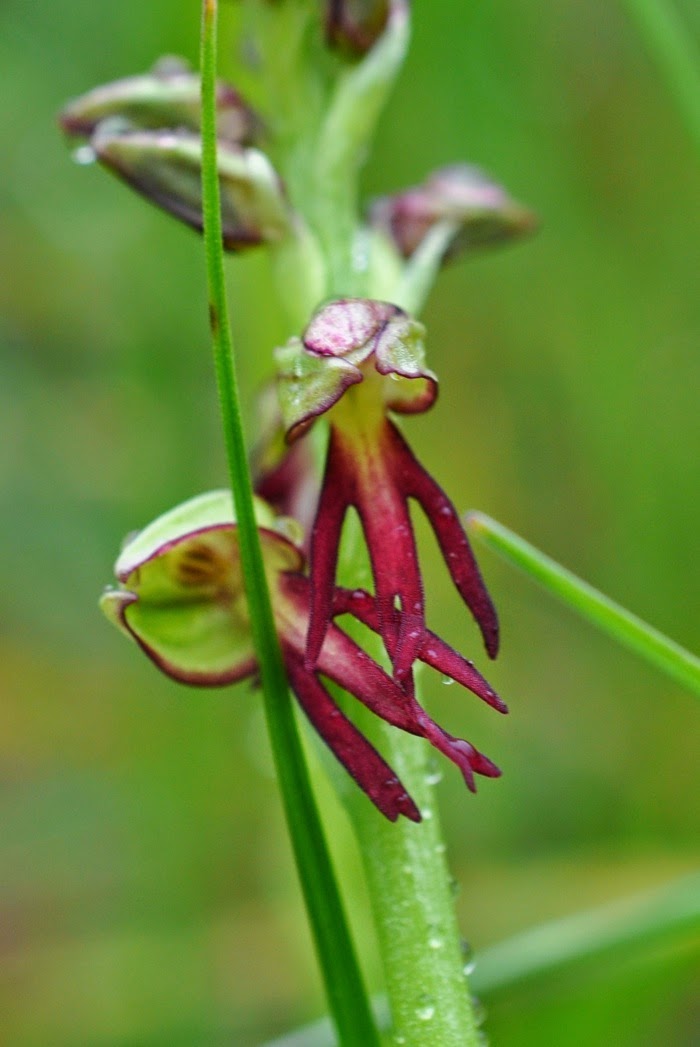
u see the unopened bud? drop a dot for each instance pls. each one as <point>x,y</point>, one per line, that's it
<point>482,211</point>
<point>166,168</point>
<point>167,97</point>
<point>353,26</point>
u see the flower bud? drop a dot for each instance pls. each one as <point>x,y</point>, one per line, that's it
<point>481,209</point>
<point>353,26</point>
<point>167,97</point>
<point>166,168</point>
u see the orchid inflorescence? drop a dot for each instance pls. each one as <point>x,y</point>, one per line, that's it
<point>358,362</point>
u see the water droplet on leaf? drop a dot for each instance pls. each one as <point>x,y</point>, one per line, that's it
<point>84,155</point>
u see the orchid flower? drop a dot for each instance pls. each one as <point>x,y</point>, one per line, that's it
<point>358,360</point>
<point>181,598</point>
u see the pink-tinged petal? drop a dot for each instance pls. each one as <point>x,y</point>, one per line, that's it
<point>399,353</point>
<point>169,96</point>
<point>450,535</point>
<point>347,325</point>
<point>361,760</point>
<point>336,494</point>
<point>480,210</point>
<point>308,385</point>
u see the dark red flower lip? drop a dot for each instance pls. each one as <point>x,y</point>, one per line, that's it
<point>379,490</point>
<point>361,760</point>
<point>433,650</point>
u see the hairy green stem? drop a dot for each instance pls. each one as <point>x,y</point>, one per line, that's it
<point>410,888</point>
<point>346,993</point>
<point>412,897</point>
<point>619,623</point>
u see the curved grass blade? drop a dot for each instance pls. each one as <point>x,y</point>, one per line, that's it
<point>609,616</point>
<point>676,54</point>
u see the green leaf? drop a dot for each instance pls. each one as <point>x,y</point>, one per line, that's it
<point>609,616</point>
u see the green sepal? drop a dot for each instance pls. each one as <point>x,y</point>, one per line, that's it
<point>308,385</point>
<point>182,597</point>
<point>166,97</point>
<point>410,387</point>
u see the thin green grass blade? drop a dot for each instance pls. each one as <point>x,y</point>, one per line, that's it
<point>609,616</point>
<point>676,54</point>
<point>346,993</point>
<point>628,927</point>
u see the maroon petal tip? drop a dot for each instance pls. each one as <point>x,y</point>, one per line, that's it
<point>359,757</point>
<point>409,809</point>
<point>490,633</point>
<point>482,765</point>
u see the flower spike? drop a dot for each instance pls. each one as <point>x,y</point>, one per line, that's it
<point>181,598</point>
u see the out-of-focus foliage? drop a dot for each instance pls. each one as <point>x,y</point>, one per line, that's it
<point>146,891</point>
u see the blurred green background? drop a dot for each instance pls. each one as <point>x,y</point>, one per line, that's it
<point>147,896</point>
